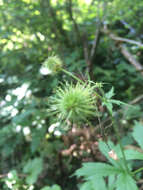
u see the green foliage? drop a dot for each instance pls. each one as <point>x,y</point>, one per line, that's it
<point>126,182</point>
<point>93,172</point>
<point>108,101</point>
<point>30,31</point>
<point>33,168</point>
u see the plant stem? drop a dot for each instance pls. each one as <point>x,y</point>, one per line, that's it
<point>120,144</point>
<point>138,170</point>
<point>73,76</point>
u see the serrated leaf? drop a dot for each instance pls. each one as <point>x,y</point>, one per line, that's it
<point>118,102</point>
<point>94,183</point>
<point>138,133</point>
<point>97,169</point>
<point>126,182</point>
<point>110,94</point>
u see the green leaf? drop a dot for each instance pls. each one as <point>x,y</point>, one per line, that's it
<point>55,187</point>
<point>37,136</point>
<point>118,102</point>
<point>109,106</point>
<point>104,148</point>
<point>33,168</point>
<point>87,185</point>
<point>98,183</point>
<point>133,154</point>
<point>138,134</point>
<point>126,182</point>
<point>110,94</point>
<point>97,169</point>
<point>94,183</point>
<point>46,188</point>
<point>111,182</point>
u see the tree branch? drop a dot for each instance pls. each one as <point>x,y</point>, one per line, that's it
<point>85,48</point>
<point>124,50</point>
<point>130,58</point>
<point>120,39</point>
<point>97,37</point>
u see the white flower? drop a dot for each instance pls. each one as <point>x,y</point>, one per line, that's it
<point>10,176</point>
<point>26,131</point>
<point>53,126</point>
<point>9,184</point>
<point>57,133</point>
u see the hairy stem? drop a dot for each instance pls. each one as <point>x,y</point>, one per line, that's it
<point>73,76</point>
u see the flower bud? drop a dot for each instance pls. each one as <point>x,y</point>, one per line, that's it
<point>53,63</point>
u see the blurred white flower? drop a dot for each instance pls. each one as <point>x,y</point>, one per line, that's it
<point>53,126</point>
<point>14,112</point>
<point>9,184</point>
<point>26,131</point>
<point>57,133</point>
<point>1,80</point>
<point>45,71</point>
<point>20,92</point>
<point>10,175</point>
<point>39,126</point>
<point>18,128</point>
<point>8,98</point>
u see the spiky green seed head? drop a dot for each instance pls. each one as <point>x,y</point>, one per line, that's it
<point>53,63</point>
<point>75,103</point>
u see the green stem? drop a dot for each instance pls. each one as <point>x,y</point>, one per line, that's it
<point>120,144</point>
<point>73,76</point>
<point>138,170</point>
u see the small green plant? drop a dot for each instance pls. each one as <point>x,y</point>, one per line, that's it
<point>118,176</point>
<point>77,103</point>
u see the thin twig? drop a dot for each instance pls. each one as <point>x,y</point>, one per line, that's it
<point>124,50</point>
<point>120,39</point>
<point>125,40</point>
<point>130,58</point>
<point>136,100</point>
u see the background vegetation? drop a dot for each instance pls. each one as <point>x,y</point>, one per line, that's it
<point>100,40</point>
